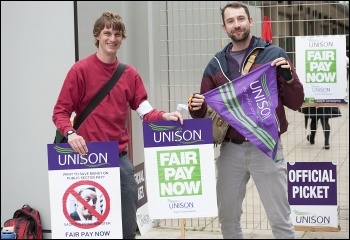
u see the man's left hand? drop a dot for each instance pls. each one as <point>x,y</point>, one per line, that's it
<point>283,68</point>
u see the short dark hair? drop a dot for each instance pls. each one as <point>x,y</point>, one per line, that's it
<point>234,5</point>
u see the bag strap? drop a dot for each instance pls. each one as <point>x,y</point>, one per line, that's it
<point>100,95</point>
<point>250,61</point>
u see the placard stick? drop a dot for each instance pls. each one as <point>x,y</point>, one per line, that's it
<point>182,225</point>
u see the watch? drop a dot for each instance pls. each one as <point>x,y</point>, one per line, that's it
<point>69,133</point>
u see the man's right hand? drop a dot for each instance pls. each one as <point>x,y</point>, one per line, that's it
<point>78,144</point>
<point>195,101</point>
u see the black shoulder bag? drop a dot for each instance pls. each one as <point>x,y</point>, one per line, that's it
<point>59,138</point>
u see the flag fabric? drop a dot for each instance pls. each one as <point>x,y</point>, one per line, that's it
<point>248,104</point>
<point>267,30</point>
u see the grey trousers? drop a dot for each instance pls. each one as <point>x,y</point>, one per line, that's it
<point>129,198</point>
<point>235,165</point>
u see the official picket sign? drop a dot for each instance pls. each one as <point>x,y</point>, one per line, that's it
<point>144,222</point>
<point>312,194</point>
<point>85,191</point>
<point>180,169</point>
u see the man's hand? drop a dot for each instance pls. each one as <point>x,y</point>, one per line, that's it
<point>173,116</point>
<point>78,143</point>
<point>283,68</point>
<point>195,101</point>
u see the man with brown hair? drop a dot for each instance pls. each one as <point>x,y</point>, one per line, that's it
<point>108,120</point>
<point>240,159</point>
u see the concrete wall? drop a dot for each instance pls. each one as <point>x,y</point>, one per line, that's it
<point>37,49</point>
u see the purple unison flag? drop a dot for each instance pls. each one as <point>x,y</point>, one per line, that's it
<point>248,104</point>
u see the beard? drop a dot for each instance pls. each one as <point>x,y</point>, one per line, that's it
<point>241,38</point>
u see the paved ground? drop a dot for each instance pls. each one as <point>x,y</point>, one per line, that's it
<point>170,233</point>
<point>296,148</point>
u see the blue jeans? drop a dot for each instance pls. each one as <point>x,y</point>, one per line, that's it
<point>235,165</point>
<point>129,197</point>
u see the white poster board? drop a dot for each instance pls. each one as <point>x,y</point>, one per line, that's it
<point>180,169</point>
<point>96,215</point>
<point>321,67</point>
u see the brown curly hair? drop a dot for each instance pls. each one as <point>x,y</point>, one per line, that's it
<point>108,20</point>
